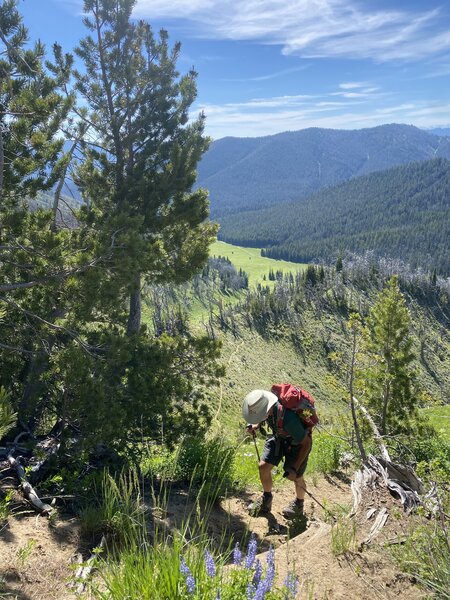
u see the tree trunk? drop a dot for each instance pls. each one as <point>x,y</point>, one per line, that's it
<point>61,181</point>
<point>2,161</point>
<point>134,318</point>
<point>386,398</point>
<point>356,428</point>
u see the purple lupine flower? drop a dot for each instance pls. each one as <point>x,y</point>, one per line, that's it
<point>190,581</point>
<point>270,573</point>
<point>261,590</point>
<point>250,593</point>
<point>209,563</point>
<point>258,573</point>
<point>184,568</point>
<point>251,553</point>
<point>291,586</point>
<point>237,555</point>
<point>190,584</point>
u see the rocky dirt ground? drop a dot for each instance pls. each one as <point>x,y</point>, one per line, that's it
<point>36,554</point>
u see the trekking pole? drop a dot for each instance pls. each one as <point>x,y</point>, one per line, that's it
<point>256,447</point>
<point>319,503</point>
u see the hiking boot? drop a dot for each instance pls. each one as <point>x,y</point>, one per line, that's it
<point>261,506</point>
<point>294,510</point>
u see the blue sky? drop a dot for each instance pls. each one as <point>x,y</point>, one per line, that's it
<point>267,66</point>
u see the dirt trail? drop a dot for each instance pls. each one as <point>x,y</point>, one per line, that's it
<point>40,569</point>
<point>322,576</point>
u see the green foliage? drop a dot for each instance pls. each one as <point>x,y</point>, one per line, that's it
<point>387,378</point>
<point>5,504</point>
<point>326,453</point>
<point>74,349</point>
<point>425,555</point>
<point>139,175</point>
<point>439,418</point>
<point>7,415</point>
<point>24,552</point>
<point>32,111</point>
<point>181,570</point>
<point>432,455</point>
<point>343,536</point>
<point>157,388</point>
<point>207,464</point>
<point>119,511</point>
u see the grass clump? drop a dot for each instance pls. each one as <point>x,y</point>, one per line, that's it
<point>206,464</point>
<point>343,536</point>
<point>425,554</point>
<point>119,512</point>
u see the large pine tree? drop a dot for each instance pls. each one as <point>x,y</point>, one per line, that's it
<point>141,164</point>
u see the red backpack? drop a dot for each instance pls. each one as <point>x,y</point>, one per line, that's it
<point>298,400</point>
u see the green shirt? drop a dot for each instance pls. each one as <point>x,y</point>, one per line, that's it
<point>292,425</point>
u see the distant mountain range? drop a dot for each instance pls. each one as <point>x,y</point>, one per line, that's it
<point>402,212</point>
<point>444,131</point>
<point>250,173</point>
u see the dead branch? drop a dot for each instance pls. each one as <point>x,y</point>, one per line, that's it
<point>27,489</point>
<point>85,569</point>
<point>376,433</point>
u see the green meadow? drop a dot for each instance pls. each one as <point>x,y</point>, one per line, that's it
<point>251,261</point>
<point>439,417</point>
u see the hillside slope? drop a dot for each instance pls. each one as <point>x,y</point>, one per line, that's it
<point>403,212</point>
<point>248,173</point>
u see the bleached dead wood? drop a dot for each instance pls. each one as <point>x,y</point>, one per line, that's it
<point>27,489</point>
<point>400,480</point>
<point>376,433</point>
<point>85,570</point>
<point>378,525</point>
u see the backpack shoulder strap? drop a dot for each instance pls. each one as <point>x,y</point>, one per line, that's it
<point>280,417</point>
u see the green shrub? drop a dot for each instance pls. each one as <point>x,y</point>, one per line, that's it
<point>325,455</point>
<point>343,536</point>
<point>425,554</point>
<point>207,464</point>
<point>433,458</point>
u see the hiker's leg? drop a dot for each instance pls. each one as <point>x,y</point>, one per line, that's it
<point>300,487</point>
<point>265,475</point>
<point>270,458</point>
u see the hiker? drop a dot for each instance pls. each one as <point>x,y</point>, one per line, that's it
<point>291,441</point>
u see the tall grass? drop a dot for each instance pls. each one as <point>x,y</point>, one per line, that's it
<point>148,557</point>
<point>425,553</point>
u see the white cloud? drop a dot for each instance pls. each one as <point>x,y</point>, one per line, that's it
<point>265,116</point>
<point>269,76</point>
<point>313,28</point>
<point>353,85</point>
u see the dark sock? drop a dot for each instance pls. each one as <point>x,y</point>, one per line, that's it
<point>267,494</point>
<point>299,502</point>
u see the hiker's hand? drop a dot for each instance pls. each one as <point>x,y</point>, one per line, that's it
<point>252,429</point>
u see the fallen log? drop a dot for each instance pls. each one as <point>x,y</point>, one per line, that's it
<point>27,489</point>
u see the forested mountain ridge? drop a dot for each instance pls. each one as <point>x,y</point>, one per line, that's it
<point>250,173</point>
<point>403,212</point>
